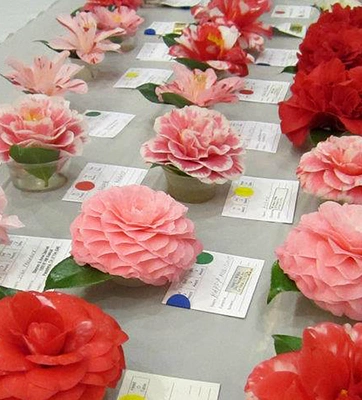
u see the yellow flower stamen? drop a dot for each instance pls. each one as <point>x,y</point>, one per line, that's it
<point>216,39</point>
<point>33,116</point>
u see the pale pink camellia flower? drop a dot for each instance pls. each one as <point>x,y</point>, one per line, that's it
<point>6,222</point>
<point>122,17</point>
<point>50,77</point>
<point>197,141</point>
<point>323,256</point>
<point>333,169</point>
<point>41,121</point>
<point>202,88</point>
<point>84,38</point>
<point>135,232</point>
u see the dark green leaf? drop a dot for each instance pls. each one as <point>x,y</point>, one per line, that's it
<point>286,344</point>
<point>292,69</point>
<point>193,64</point>
<point>204,258</point>
<point>68,274</point>
<point>73,54</point>
<point>175,99</point>
<point>280,282</point>
<point>154,165</point>
<point>175,170</point>
<point>320,135</point>
<point>169,39</point>
<point>4,292</point>
<point>74,13</point>
<point>33,155</point>
<point>149,91</point>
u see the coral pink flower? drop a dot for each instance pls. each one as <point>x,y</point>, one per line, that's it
<point>84,38</point>
<point>50,77</point>
<point>197,141</point>
<point>41,121</point>
<point>202,88</point>
<point>121,17</point>
<point>328,367</point>
<point>215,45</point>
<point>6,222</point>
<point>323,255</point>
<point>333,170</point>
<point>135,232</point>
<point>91,4</point>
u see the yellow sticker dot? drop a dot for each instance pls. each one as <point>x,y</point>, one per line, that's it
<point>244,191</point>
<point>132,75</point>
<point>132,397</point>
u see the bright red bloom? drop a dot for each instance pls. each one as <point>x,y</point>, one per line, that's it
<point>349,16</point>
<point>214,44</point>
<point>91,4</point>
<point>54,346</point>
<point>329,97</point>
<point>328,367</point>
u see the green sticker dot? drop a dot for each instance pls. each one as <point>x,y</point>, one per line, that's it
<point>93,114</point>
<point>132,397</point>
<point>204,258</point>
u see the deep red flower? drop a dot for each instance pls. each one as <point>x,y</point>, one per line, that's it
<point>328,97</point>
<point>349,16</point>
<point>328,367</point>
<point>91,4</point>
<point>54,346</point>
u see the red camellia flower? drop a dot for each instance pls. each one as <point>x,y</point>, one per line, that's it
<point>328,367</point>
<point>349,16</point>
<point>91,4</point>
<point>328,97</point>
<point>54,346</point>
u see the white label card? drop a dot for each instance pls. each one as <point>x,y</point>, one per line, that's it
<point>220,284</point>
<point>283,11</point>
<point>106,124</point>
<point>260,91</point>
<point>164,28</point>
<point>296,30</point>
<point>180,3</point>
<point>277,58</point>
<point>135,77</point>
<point>262,136</point>
<point>154,52</point>
<point>95,177</point>
<point>26,262</point>
<point>143,386</point>
<point>262,199</point>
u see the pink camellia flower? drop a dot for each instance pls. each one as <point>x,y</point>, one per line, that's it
<point>91,4</point>
<point>122,17</point>
<point>50,77</point>
<point>135,232</point>
<point>333,170</point>
<point>6,222</point>
<point>197,141</point>
<point>202,88</point>
<point>323,255</point>
<point>84,38</point>
<point>41,121</point>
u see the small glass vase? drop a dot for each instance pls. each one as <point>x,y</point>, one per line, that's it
<point>128,282</point>
<point>188,189</point>
<point>39,177</point>
<point>127,42</point>
<point>89,71</point>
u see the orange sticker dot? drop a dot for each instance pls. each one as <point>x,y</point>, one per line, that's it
<point>85,186</point>
<point>246,91</point>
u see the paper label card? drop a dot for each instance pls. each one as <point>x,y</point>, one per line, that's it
<point>180,3</point>
<point>26,262</point>
<point>262,199</point>
<point>262,136</point>
<point>277,58</point>
<point>135,77</point>
<point>95,177</point>
<point>164,28</point>
<point>143,386</point>
<point>218,283</point>
<point>283,11</point>
<point>154,52</point>
<point>106,124</point>
<point>260,91</point>
<point>296,30</point>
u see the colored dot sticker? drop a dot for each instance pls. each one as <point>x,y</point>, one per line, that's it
<point>132,397</point>
<point>85,186</point>
<point>132,75</point>
<point>246,91</point>
<point>244,191</point>
<point>93,114</point>
<point>204,258</point>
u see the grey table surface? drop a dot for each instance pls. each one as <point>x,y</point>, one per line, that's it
<point>166,340</point>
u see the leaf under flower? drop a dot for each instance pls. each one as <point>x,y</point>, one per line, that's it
<point>286,344</point>
<point>280,282</point>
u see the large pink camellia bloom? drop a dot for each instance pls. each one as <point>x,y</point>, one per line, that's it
<point>333,170</point>
<point>84,38</point>
<point>328,367</point>
<point>197,141</point>
<point>6,221</point>
<point>323,255</point>
<point>50,77</point>
<point>41,121</point>
<point>135,232</point>
<point>202,88</point>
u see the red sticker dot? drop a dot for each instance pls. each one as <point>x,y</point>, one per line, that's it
<point>246,91</point>
<point>85,186</point>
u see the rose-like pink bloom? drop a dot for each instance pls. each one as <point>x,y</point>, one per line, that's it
<point>91,4</point>
<point>202,88</point>
<point>6,222</point>
<point>197,141</point>
<point>333,170</point>
<point>41,121</point>
<point>323,255</point>
<point>50,77</point>
<point>84,38</point>
<point>122,17</point>
<point>135,232</point>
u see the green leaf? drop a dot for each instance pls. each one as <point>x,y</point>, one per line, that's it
<point>320,135</point>
<point>280,282</point>
<point>68,274</point>
<point>193,64</point>
<point>291,69</point>
<point>149,91</point>
<point>154,165</point>
<point>73,53</point>
<point>169,39</point>
<point>74,13</point>
<point>4,292</point>
<point>175,170</point>
<point>176,100</point>
<point>286,344</point>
